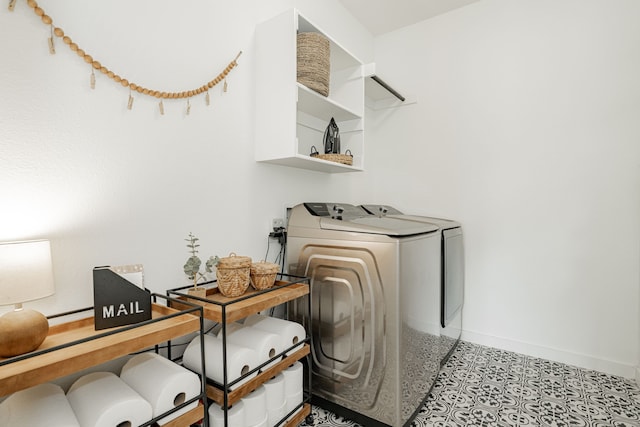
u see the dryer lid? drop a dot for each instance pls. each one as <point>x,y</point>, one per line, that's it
<point>350,218</point>
<point>391,212</point>
<point>374,225</point>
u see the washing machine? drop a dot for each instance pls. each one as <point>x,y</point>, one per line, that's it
<point>451,276</point>
<point>375,309</point>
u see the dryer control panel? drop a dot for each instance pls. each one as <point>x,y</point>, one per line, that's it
<point>381,210</point>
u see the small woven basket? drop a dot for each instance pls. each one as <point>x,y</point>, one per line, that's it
<point>263,274</point>
<point>314,62</point>
<point>345,159</point>
<point>233,273</point>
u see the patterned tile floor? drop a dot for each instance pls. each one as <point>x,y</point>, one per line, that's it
<point>483,386</point>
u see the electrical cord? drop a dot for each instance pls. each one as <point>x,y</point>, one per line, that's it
<point>283,248</point>
<point>266,255</point>
<point>281,234</point>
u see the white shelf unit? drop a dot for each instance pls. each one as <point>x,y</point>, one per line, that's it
<point>290,118</point>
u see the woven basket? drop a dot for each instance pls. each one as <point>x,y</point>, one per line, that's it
<point>233,273</point>
<point>345,159</point>
<point>263,274</point>
<point>314,62</point>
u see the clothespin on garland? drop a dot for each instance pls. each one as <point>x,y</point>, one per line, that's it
<point>96,65</point>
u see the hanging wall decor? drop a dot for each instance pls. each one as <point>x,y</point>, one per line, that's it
<point>133,87</point>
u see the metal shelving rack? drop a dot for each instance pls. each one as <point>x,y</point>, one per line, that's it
<point>224,310</point>
<point>75,345</point>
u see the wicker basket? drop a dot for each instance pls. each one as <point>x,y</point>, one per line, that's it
<point>263,274</point>
<point>345,159</point>
<point>314,62</point>
<point>233,273</point>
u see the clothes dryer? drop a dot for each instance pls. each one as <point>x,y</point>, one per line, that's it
<point>374,283</point>
<point>451,274</point>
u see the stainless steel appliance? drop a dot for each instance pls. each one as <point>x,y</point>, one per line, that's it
<point>375,312</point>
<point>451,276</point>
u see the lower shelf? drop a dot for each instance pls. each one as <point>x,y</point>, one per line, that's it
<point>188,418</point>
<point>299,417</point>
<point>217,394</point>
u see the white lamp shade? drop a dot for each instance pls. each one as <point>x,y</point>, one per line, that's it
<point>25,271</point>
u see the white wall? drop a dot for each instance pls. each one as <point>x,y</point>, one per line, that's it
<point>110,186</point>
<point>526,130</point>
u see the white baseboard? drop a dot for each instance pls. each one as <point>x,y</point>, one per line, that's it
<point>562,356</point>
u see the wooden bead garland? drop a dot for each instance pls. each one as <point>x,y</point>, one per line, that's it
<point>59,32</point>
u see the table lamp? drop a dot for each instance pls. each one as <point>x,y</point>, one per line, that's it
<point>25,275</point>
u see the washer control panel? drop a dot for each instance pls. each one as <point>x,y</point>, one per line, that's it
<point>340,211</point>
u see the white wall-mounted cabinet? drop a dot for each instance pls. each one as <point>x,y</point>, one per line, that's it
<point>290,118</point>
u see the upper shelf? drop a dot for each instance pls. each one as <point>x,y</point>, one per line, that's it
<point>251,302</point>
<point>341,58</point>
<point>322,107</point>
<point>79,346</point>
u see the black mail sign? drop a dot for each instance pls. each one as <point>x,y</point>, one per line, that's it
<point>118,302</point>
